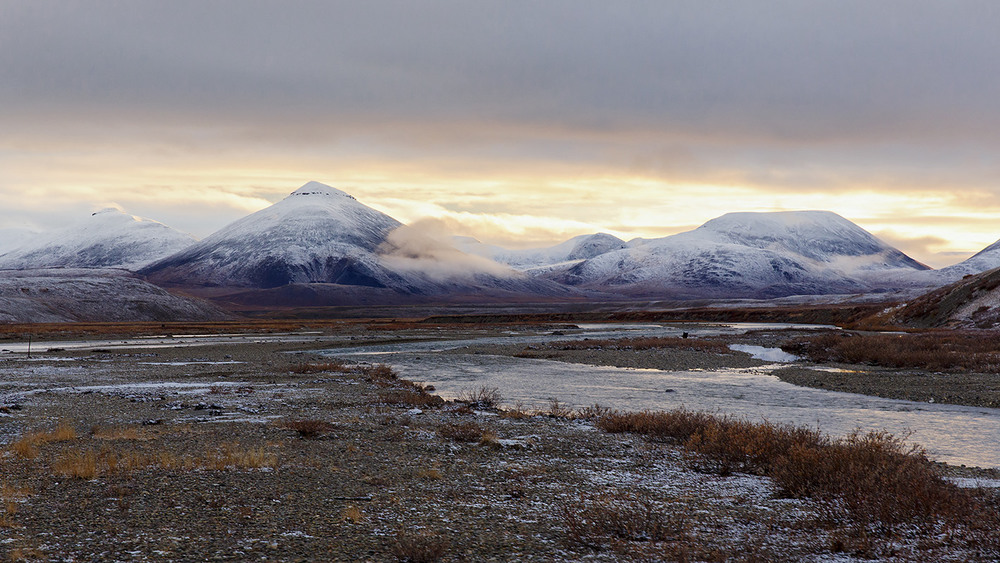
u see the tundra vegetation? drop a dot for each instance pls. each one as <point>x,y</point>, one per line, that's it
<point>292,457</point>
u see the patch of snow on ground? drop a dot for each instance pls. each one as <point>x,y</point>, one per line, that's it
<point>975,483</point>
<point>764,354</point>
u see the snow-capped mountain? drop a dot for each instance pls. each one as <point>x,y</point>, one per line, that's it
<point>986,259</point>
<point>322,235</point>
<point>747,255</point>
<point>575,249</point>
<point>316,234</point>
<point>109,238</point>
<point>13,237</point>
<point>983,261</point>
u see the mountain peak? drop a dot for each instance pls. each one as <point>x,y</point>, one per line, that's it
<point>106,211</point>
<point>318,189</point>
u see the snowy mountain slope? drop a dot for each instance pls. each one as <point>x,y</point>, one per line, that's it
<point>747,255</point>
<point>986,259</point>
<point>106,239</point>
<point>316,234</point>
<point>13,237</point>
<point>67,295</point>
<point>971,302</point>
<point>321,235</point>
<point>983,261</point>
<point>822,236</point>
<point>575,249</point>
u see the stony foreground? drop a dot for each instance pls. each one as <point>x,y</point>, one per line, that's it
<point>267,451</point>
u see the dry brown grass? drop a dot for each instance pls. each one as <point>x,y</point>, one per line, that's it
<point>935,350</point>
<point>79,464</point>
<point>26,554</point>
<point>90,463</point>
<point>378,373</point>
<point>430,474</point>
<point>420,546</point>
<point>352,515</point>
<point>26,447</point>
<point>517,412</point>
<point>872,480</point>
<point>7,516</point>
<point>612,521</point>
<point>130,433</point>
<point>461,431</point>
<point>8,491</point>
<point>676,425</point>
<point>236,456</point>
<point>321,367</point>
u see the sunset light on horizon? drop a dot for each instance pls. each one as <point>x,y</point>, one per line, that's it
<point>520,124</point>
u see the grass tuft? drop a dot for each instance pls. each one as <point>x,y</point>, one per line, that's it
<point>419,546</point>
<point>409,397</point>
<point>77,464</point>
<point>26,447</point>
<point>461,431</point>
<point>601,521</point>
<point>352,515</point>
<point>324,367</point>
<point>482,397</point>
<point>307,428</point>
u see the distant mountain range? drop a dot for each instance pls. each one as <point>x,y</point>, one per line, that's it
<point>320,246</point>
<point>107,239</point>
<point>323,237</point>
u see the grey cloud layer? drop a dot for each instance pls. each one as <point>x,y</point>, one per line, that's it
<point>723,72</point>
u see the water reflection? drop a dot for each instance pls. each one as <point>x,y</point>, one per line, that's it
<point>954,434</point>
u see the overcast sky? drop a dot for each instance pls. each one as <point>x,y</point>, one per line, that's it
<point>509,120</point>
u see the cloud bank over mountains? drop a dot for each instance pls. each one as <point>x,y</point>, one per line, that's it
<point>634,118</point>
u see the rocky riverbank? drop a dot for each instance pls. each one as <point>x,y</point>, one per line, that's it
<point>267,451</point>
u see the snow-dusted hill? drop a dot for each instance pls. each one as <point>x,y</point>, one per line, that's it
<point>106,239</point>
<point>973,301</point>
<point>748,255</point>
<point>983,261</point>
<point>66,295</point>
<point>13,237</point>
<point>321,235</point>
<point>316,234</point>
<point>575,249</point>
<point>986,259</point>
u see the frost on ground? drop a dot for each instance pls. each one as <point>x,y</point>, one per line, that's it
<point>253,453</point>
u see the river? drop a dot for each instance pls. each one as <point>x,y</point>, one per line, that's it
<point>949,433</point>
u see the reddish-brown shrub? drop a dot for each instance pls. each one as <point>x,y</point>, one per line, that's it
<point>307,428</point>
<point>599,521</point>
<point>332,366</point>
<point>409,397</point>
<point>482,397</point>
<point>931,350</point>
<point>419,547</point>
<point>461,431</point>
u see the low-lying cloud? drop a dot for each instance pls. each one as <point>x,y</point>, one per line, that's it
<point>420,249</point>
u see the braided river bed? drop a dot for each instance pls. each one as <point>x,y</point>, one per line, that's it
<point>958,435</point>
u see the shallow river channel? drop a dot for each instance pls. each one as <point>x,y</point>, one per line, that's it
<point>953,434</point>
